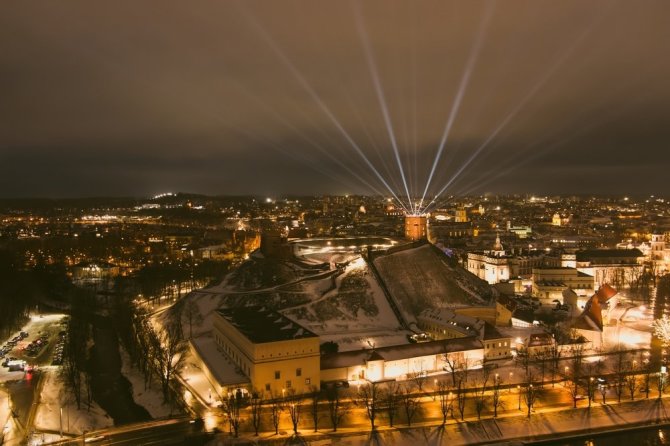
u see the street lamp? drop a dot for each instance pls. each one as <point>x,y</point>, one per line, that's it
<point>518,390</point>
<point>61,422</point>
<point>661,381</point>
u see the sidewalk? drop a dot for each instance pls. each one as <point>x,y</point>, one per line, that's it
<point>546,425</point>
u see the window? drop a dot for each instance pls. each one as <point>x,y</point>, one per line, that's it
<point>298,372</point>
<point>267,387</point>
<point>277,374</point>
<point>288,384</point>
<point>308,381</point>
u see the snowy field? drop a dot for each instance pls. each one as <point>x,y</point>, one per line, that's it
<point>419,278</point>
<point>151,397</point>
<point>53,397</point>
<point>344,304</point>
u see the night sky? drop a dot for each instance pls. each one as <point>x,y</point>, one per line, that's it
<point>134,98</point>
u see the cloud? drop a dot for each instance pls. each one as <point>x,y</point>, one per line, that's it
<point>165,95</point>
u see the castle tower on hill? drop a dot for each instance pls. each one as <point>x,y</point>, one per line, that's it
<point>416,227</point>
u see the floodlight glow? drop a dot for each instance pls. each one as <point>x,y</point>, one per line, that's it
<point>317,99</point>
<point>465,79</point>
<point>369,57</point>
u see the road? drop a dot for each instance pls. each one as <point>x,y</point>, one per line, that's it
<point>166,432</point>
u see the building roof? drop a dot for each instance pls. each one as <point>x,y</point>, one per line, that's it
<point>592,317</point>
<point>608,253</point>
<point>397,352</point>
<point>490,332</point>
<point>551,283</point>
<point>449,318</point>
<point>261,325</point>
<point>225,372</point>
<point>539,339</point>
<point>89,264</point>
<point>508,303</point>
<point>605,293</point>
<point>524,314</point>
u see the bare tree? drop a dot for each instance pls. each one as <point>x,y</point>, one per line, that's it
<point>541,358</point>
<point>453,365</point>
<point>660,384</point>
<point>292,404</point>
<point>496,399</point>
<point>391,400</point>
<point>75,356</point>
<point>530,394</point>
<point>620,369</point>
<point>523,359</point>
<point>231,408</point>
<point>369,397</point>
<point>142,335</point>
<point>480,392</point>
<point>336,410</point>
<point>577,359</point>
<point>590,389</point>
<point>460,396</point>
<point>419,379</point>
<point>647,381</point>
<point>255,409</point>
<point>632,382</point>
<point>592,370</point>
<point>603,391</point>
<point>445,398</point>
<point>555,357</point>
<point>410,403</point>
<point>167,353</point>
<point>572,385</point>
<point>276,408</point>
<point>192,314</point>
<point>314,399</point>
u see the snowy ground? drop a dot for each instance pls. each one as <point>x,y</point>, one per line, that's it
<point>558,424</point>
<point>150,398</point>
<point>53,396</point>
<point>418,279</point>
<point>353,312</point>
<point>197,384</point>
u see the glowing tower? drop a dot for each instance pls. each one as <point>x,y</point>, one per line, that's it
<point>416,227</point>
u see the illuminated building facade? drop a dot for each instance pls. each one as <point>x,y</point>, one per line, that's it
<point>416,227</point>
<point>448,324</point>
<point>550,282</point>
<point>274,352</point>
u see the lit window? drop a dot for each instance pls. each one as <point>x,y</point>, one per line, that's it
<point>308,381</point>
<point>288,384</point>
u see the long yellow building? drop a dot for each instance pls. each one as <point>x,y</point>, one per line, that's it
<point>274,352</point>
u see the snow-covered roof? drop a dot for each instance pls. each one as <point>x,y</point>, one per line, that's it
<point>446,317</point>
<point>397,352</point>
<point>225,372</point>
<point>261,325</point>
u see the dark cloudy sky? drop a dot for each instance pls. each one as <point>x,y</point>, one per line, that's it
<point>221,97</point>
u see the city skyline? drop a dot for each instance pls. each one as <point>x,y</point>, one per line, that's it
<point>293,98</point>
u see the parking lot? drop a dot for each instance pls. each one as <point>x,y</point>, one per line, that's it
<point>39,343</point>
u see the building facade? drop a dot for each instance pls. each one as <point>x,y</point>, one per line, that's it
<point>274,352</point>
